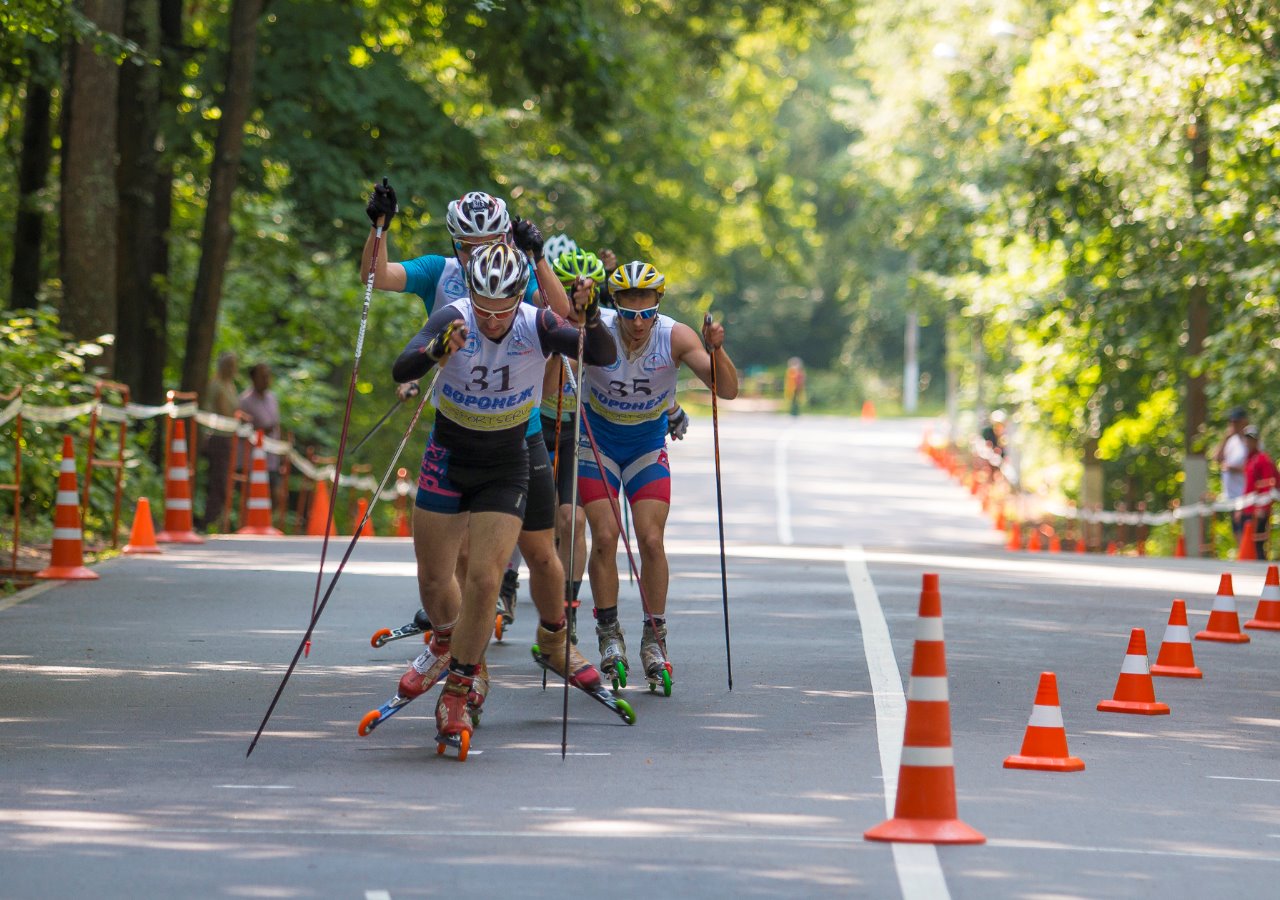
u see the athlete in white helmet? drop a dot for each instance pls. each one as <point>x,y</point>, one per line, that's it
<point>630,407</point>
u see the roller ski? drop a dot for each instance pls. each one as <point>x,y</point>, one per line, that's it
<point>506,603</point>
<point>653,658</point>
<point>420,625</point>
<point>423,672</point>
<point>549,652</point>
<point>613,654</point>
<point>453,716</point>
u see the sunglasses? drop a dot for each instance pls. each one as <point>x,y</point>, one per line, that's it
<point>462,246</point>
<point>637,313</point>
<point>496,313</point>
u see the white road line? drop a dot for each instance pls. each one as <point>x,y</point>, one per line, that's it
<point>919,870</point>
<point>571,753</point>
<point>26,594</point>
<point>257,787</point>
<point>377,895</point>
<point>780,487</point>
<point>1241,778</point>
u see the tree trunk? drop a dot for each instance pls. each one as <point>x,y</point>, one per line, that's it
<point>1195,467</point>
<point>89,201</point>
<point>141,306</point>
<point>33,175</point>
<point>215,244</point>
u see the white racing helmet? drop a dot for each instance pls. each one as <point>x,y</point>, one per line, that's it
<point>498,270</point>
<point>558,245</point>
<point>477,215</point>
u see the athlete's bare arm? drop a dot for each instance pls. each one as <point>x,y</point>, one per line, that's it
<point>390,276</point>
<point>688,348</point>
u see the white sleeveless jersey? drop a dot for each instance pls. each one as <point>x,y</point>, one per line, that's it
<point>451,286</point>
<point>488,386</point>
<point>639,388</point>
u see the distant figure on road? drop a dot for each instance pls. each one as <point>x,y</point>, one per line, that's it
<point>993,434</point>
<point>1231,456</point>
<point>259,403</point>
<point>220,400</point>
<point>793,385</point>
<point>1259,477</point>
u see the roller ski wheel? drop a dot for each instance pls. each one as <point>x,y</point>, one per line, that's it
<point>619,675</point>
<point>420,625</point>
<point>595,690</point>
<point>375,717</point>
<point>460,742</point>
<point>499,622</point>
<point>660,679</point>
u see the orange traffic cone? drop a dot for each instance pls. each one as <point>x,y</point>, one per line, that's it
<point>1044,746</point>
<point>1033,540</point>
<point>1055,544</point>
<point>868,410</point>
<point>142,537</point>
<point>1180,548</point>
<point>178,527</point>
<point>1015,537</point>
<point>1247,549</point>
<point>1224,623</point>
<point>362,508</point>
<point>1135,691</point>
<point>1176,659</point>
<point>999,524</point>
<point>1112,549</point>
<point>258,508</point>
<point>1268,613</point>
<point>68,542</point>
<point>1080,544</point>
<point>925,811</point>
<point>318,515</point>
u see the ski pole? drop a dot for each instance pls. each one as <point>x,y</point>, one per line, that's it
<point>387,415</point>
<point>346,419</point>
<point>715,431</point>
<point>573,540</point>
<point>306,638</point>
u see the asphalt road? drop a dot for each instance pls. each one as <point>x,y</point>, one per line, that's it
<point>128,704</point>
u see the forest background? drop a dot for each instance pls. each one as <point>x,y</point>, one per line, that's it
<point>1068,208</point>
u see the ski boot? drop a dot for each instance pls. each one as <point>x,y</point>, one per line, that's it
<point>549,653</point>
<point>653,658</point>
<point>613,653</point>
<point>506,603</point>
<point>420,625</point>
<point>453,716</point>
<point>479,691</point>
<point>423,672</point>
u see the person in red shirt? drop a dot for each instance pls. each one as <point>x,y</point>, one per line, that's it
<point>1259,477</point>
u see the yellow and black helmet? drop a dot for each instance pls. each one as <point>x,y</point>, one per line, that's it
<point>637,275</point>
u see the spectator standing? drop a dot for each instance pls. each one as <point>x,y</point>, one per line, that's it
<point>1231,456</point>
<point>221,399</point>
<point>1259,478</point>
<point>793,385</point>
<point>259,403</point>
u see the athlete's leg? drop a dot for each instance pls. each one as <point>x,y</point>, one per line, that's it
<point>650,520</point>
<point>603,566</point>
<point>493,535</point>
<point>436,539</point>
<point>546,575</point>
<point>564,525</point>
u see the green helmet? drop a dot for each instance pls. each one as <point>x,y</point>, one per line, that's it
<point>575,264</point>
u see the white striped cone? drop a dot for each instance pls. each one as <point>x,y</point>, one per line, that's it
<point>1177,659</point>
<point>258,505</point>
<point>1224,622</point>
<point>1267,615</point>
<point>925,808</point>
<point>178,525</point>
<point>68,543</point>
<point>1044,747</point>
<point>1135,691</point>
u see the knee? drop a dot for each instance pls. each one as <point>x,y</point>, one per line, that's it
<point>604,542</point>
<point>651,544</point>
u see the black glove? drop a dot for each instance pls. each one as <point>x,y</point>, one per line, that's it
<point>527,237</point>
<point>382,204</point>
<point>441,345</point>
<point>677,423</point>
